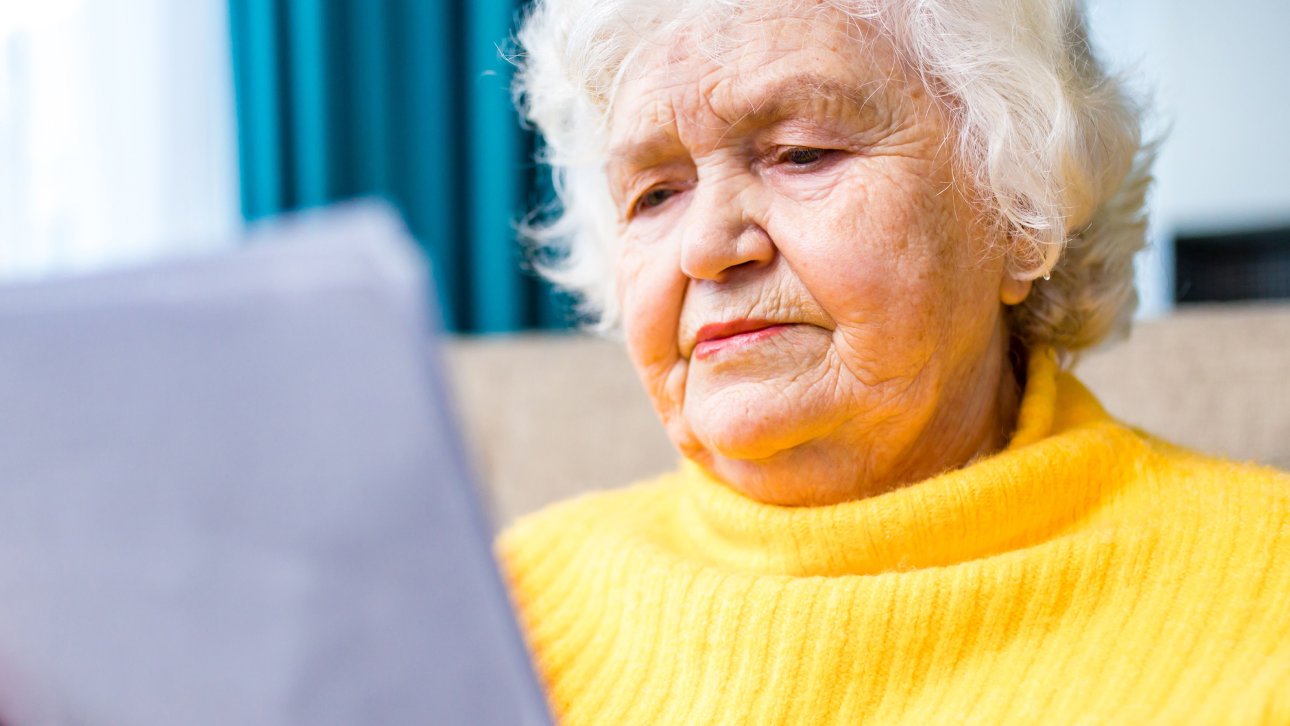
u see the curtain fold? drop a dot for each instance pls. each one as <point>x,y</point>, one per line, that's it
<point>408,100</point>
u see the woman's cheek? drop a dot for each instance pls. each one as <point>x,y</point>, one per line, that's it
<point>834,255</point>
<point>651,291</point>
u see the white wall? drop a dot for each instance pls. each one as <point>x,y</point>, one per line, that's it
<point>116,133</point>
<point>1220,77</point>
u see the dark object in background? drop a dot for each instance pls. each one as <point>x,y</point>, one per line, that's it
<point>231,493</point>
<point>1237,266</point>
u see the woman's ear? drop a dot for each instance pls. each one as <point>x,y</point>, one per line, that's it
<point>1013,291</point>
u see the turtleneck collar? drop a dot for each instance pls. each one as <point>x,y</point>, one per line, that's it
<point>1059,464</point>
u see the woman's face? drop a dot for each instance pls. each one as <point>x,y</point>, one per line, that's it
<point>812,302</point>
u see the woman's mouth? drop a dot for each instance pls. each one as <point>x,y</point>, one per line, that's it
<point>725,337</point>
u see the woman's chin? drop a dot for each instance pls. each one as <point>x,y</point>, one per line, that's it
<point>753,440</point>
<point>746,449</point>
<point>755,421</point>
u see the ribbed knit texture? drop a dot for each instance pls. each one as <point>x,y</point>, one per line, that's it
<point>1087,574</point>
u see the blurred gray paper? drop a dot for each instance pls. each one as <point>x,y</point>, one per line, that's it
<point>230,493</point>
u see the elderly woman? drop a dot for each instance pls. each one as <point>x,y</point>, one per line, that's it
<point>851,246</point>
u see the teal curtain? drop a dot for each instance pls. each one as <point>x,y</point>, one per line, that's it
<point>407,100</point>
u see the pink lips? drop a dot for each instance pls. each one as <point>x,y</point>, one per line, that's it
<point>718,337</point>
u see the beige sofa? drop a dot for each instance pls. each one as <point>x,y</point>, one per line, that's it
<point>550,416</point>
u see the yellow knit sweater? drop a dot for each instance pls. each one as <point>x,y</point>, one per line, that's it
<point>1087,574</point>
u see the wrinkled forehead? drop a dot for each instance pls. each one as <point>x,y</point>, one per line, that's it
<point>715,75</point>
<point>714,30</point>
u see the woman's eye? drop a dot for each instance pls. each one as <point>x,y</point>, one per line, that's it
<point>803,156</point>
<point>653,198</point>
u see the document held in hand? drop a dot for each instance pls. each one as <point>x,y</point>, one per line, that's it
<point>231,492</point>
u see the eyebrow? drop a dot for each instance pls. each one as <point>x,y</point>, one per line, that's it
<point>770,103</point>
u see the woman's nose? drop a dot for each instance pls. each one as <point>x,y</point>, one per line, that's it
<point>722,235</point>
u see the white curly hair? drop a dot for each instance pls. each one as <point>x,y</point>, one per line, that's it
<point>1052,143</point>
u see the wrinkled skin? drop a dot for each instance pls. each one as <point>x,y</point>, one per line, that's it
<point>807,179</point>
